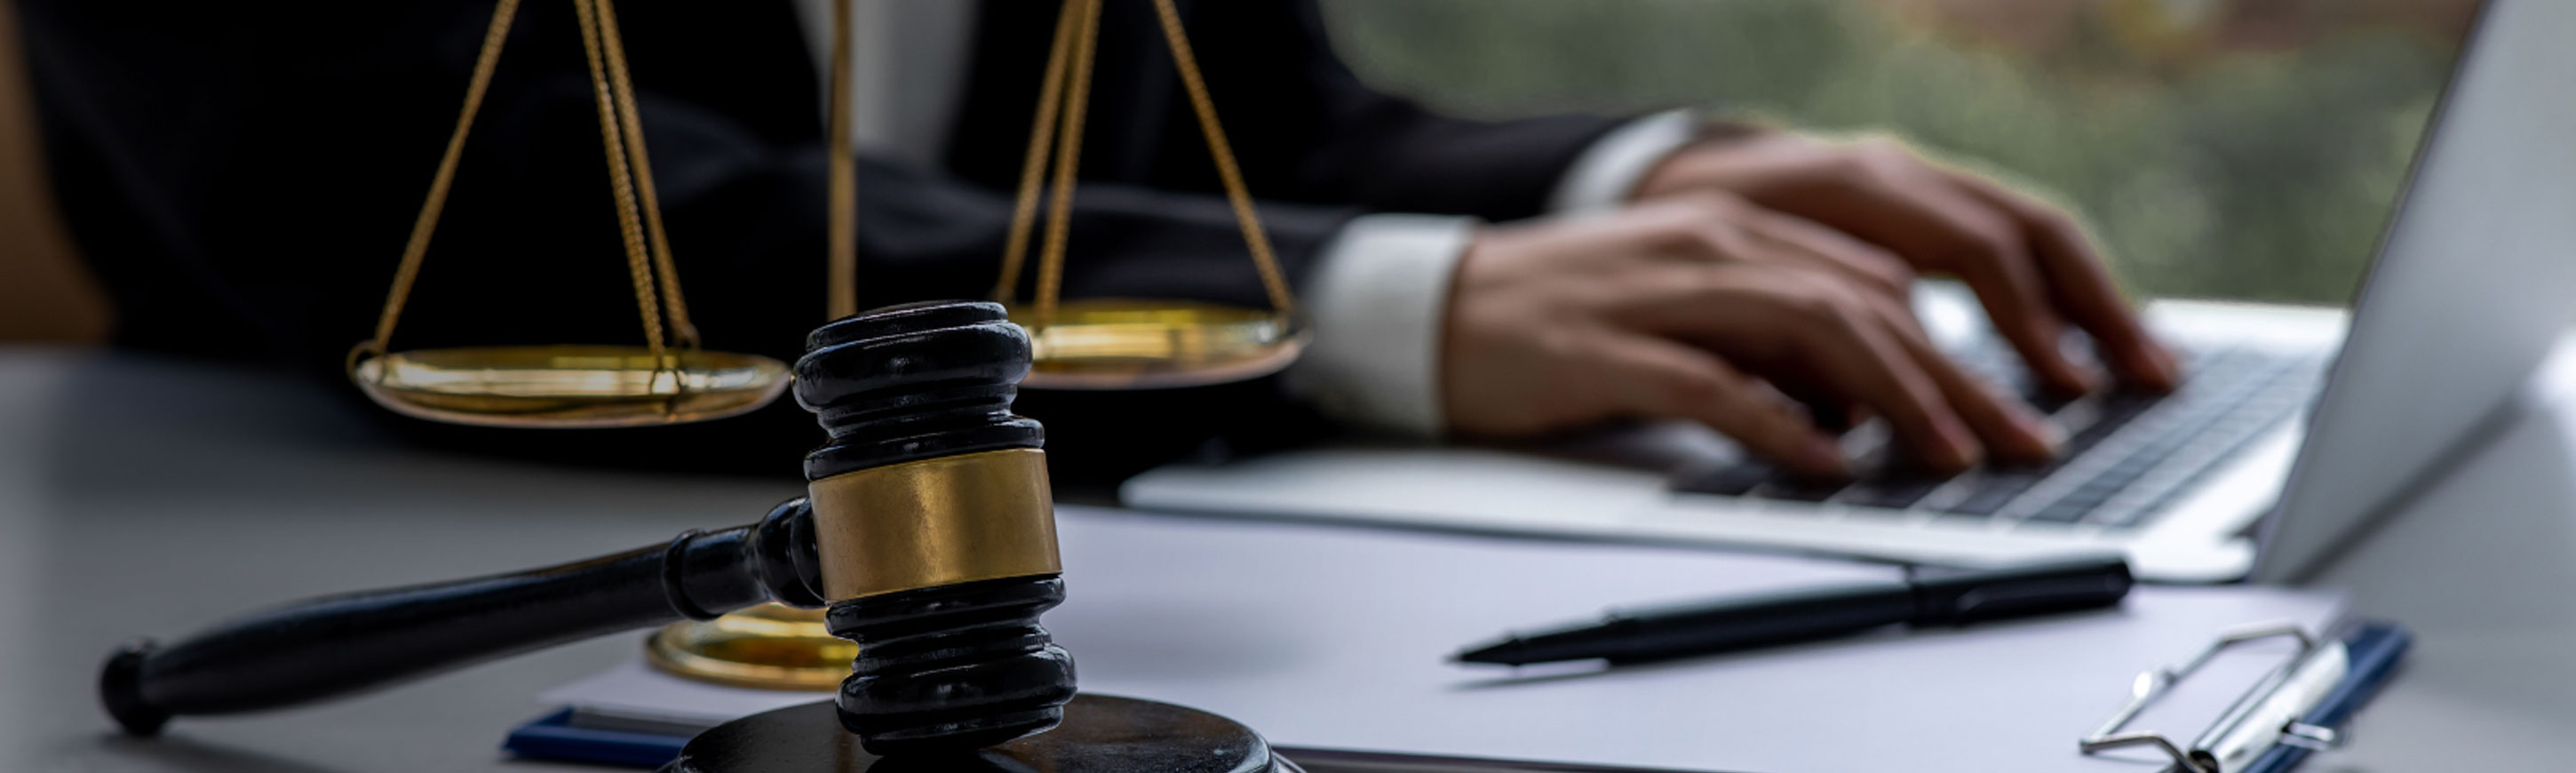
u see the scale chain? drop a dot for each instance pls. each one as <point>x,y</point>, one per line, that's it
<point>1033,169</point>
<point>1254,238</point>
<point>1063,104</point>
<point>842,277</point>
<point>674,307</point>
<point>418,246</point>
<point>622,186</point>
<point>1067,157</point>
<point>621,134</point>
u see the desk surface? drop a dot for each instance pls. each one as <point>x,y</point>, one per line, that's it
<point>94,549</point>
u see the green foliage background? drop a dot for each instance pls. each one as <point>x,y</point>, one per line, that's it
<point>2260,173</point>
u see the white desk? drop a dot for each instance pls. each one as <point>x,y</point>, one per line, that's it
<point>144,496</point>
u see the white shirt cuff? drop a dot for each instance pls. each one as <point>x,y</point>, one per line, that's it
<point>1608,172</point>
<point>1378,296</point>
<point>1377,299</point>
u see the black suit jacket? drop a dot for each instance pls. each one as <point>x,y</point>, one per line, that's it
<point>242,177</point>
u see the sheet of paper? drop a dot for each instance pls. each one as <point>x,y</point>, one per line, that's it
<point>1338,637</point>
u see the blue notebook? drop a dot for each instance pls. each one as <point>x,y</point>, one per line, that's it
<point>563,736</point>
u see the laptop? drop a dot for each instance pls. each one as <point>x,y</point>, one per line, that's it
<point>2309,416</point>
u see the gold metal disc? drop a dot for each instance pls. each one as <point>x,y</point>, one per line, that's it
<point>1124,343</point>
<point>771,646</point>
<point>568,386</point>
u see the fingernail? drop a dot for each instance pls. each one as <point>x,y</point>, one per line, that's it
<point>1959,444</point>
<point>1823,456</point>
<point>2166,364</point>
<point>2085,378</point>
<point>2152,372</point>
<point>2036,426</point>
<point>2048,436</point>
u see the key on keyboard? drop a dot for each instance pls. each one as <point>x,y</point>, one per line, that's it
<point>2117,441</point>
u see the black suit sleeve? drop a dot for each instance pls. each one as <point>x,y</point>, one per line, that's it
<point>1304,127</point>
<point>246,172</point>
<point>243,178</point>
<point>1382,151</point>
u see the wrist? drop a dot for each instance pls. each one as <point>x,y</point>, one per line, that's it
<point>1699,163</point>
<point>1376,299</point>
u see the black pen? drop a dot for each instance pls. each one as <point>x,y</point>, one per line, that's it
<point>1737,624</point>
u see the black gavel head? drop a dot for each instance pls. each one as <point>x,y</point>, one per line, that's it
<point>933,528</point>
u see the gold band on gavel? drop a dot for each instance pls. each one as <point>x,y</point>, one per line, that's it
<point>953,519</point>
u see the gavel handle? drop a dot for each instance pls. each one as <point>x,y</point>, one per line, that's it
<point>334,645</point>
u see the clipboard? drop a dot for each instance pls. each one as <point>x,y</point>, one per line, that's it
<point>2297,708</point>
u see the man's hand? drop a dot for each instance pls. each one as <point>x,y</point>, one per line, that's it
<point>1705,307</point>
<point>2029,264</point>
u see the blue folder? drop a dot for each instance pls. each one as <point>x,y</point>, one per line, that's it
<point>2374,650</point>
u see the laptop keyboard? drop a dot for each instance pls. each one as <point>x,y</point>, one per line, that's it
<point>2126,457</point>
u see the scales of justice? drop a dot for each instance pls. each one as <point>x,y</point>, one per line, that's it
<point>912,575</point>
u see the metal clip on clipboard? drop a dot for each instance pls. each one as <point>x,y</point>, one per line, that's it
<point>2268,714</point>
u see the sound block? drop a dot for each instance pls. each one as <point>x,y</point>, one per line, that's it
<point>1100,734</point>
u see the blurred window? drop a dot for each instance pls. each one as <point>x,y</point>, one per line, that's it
<point>2218,148</point>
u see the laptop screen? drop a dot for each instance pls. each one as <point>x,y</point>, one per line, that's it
<point>2471,289</point>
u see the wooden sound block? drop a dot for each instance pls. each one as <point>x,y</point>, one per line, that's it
<point>1100,734</point>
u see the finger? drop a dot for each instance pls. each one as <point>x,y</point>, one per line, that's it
<point>1985,248</point>
<point>1665,379</point>
<point>2007,426</point>
<point>2082,286</point>
<point>1828,409</point>
<point>1722,228</point>
<point>1806,326</point>
<point>1885,194</point>
<point>1862,262</point>
<point>1855,352</point>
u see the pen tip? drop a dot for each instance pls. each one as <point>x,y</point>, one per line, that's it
<point>1491,653</point>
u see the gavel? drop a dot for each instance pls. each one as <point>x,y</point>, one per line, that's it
<point>927,531</point>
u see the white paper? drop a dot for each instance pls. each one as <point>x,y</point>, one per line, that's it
<point>1338,638</point>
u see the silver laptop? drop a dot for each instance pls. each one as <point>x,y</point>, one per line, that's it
<point>2289,411</point>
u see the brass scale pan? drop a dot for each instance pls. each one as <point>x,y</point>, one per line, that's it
<point>1083,344</point>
